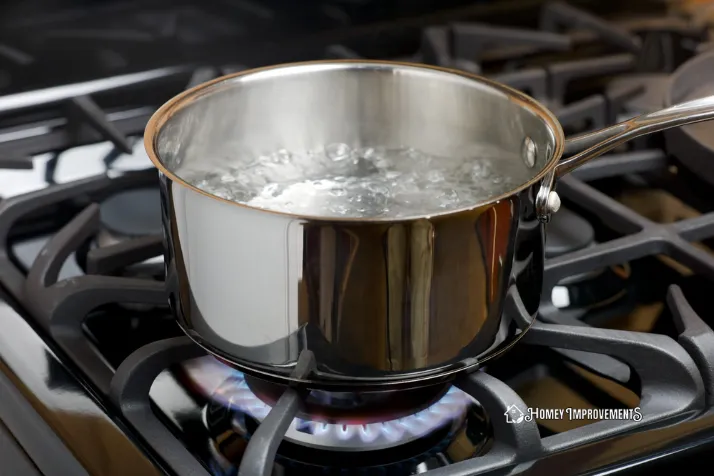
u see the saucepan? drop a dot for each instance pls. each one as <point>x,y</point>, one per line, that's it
<point>376,303</point>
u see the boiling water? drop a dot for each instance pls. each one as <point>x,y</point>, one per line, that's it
<point>371,182</point>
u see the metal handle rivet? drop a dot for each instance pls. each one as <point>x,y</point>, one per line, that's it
<point>553,203</point>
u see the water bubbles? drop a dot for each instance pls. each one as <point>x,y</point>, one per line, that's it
<point>203,184</point>
<point>414,154</point>
<point>480,169</point>
<point>371,153</point>
<point>448,198</point>
<point>228,178</point>
<point>271,190</point>
<point>377,156</point>
<point>435,176</point>
<point>360,182</point>
<point>338,152</point>
<point>223,192</point>
<point>281,157</point>
<point>323,185</point>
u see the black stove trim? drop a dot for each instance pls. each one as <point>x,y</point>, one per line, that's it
<point>13,458</point>
<point>34,435</point>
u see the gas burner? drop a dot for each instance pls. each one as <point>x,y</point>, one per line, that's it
<point>312,439</point>
<point>448,412</point>
<point>568,232</point>
<point>131,213</point>
<point>607,287</point>
<point>401,444</point>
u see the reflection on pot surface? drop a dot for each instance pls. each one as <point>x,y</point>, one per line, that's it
<point>375,300</point>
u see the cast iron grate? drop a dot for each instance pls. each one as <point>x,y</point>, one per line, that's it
<point>674,384</point>
<point>81,120</point>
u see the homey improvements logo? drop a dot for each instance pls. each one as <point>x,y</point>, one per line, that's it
<point>514,414</point>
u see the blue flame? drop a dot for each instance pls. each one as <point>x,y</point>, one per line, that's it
<point>212,377</point>
<point>452,405</point>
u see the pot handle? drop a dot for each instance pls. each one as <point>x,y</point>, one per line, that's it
<point>593,144</point>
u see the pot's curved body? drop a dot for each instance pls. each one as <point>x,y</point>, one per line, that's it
<point>379,304</point>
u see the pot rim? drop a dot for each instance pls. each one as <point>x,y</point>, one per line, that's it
<point>178,102</point>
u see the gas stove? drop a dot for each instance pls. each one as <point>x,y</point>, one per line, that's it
<point>616,376</point>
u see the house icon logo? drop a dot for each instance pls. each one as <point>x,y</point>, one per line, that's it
<point>514,414</point>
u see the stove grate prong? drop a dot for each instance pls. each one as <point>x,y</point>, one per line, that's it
<point>671,385</point>
<point>695,336</point>
<point>612,165</point>
<point>557,15</point>
<point>591,110</point>
<point>672,390</point>
<point>533,82</point>
<point>643,237</point>
<point>561,74</point>
<point>61,306</point>
<point>260,454</point>
<point>91,114</point>
<point>697,228</point>
<point>617,216</point>
<point>108,259</point>
<point>600,364</point>
<point>617,99</point>
<point>129,391</point>
<point>512,442</point>
<point>470,40</point>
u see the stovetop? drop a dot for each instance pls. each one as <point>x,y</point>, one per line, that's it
<point>98,379</point>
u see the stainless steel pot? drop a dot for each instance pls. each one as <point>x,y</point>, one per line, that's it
<point>380,303</point>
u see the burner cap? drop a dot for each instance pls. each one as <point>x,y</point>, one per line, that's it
<point>567,232</point>
<point>132,213</point>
